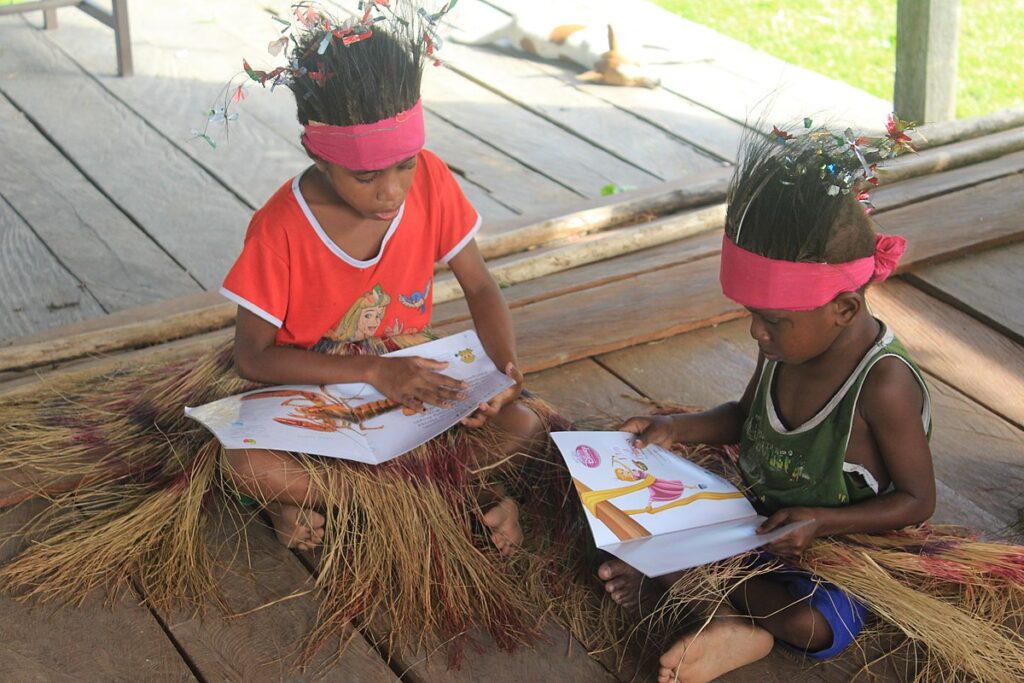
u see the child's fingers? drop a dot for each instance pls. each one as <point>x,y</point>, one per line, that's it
<point>412,403</point>
<point>635,425</point>
<point>490,408</point>
<point>773,522</point>
<point>430,363</point>
<point>475,420</point>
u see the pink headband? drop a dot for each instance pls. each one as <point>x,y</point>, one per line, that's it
<point>755,281</point>
<point>368,146</point>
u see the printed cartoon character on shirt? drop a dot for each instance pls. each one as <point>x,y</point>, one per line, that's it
<point>361,321</point>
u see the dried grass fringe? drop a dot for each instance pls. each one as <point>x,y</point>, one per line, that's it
<point>129,479</point>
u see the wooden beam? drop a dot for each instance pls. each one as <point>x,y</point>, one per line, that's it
<point>926,38</point>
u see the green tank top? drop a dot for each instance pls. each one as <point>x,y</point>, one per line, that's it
<point>806,466</point>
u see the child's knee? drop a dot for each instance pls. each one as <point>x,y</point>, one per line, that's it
<point>525,429</point>
<point>806,628</point>
<point>265,475</point>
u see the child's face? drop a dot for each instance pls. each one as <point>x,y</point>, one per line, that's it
<point>373,195</point>
<point>795,336</point>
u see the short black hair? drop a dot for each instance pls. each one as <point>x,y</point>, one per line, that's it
<point>783,203</point>
<point>364,82</point>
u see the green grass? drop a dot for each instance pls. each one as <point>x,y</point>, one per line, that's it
<point>856,42</point>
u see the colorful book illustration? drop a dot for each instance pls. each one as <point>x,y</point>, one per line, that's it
<point>654,509</point>
<point>352,421</point>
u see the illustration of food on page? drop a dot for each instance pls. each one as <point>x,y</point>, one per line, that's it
<point>353,421</point>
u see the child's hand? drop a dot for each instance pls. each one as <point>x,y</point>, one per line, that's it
<point>651,429</point>
<point>491,408</point>
<point>413,381</point>
<point>796,541</point>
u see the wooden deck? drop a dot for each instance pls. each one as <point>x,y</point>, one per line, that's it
<point>106,204</point>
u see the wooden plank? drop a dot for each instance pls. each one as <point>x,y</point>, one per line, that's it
<point>587,394</point>
<point>527,83</point>
<point>55,643</point>
<point>118,263</point>
<point>628,138</point>
<point>172,85</point>
<point>536,143</point>
<point>978,456</point>
<point>972,220</point>
<point>988,286</point>
<point>980,362</point>
<point>36,290</point>
<point>558,657</point>
<point>44,83</point>
<point>592,275</point>
<point>657,305</point>
<point>933,184</point>
<point>276,600</point>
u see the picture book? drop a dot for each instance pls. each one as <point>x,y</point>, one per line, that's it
<point>655,510</point>
<point>353,421</point>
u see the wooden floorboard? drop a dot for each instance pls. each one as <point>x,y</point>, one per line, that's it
<point>187,56</point>
<point>117,642</point>
<point>989,286</point>
<point>116,261</point>
<point>275,601</point>
<point>527,83</point>
<point>149,179</point>
<point>36,290</point>
<point>979,361</point>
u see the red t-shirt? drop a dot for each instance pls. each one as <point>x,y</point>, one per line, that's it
<point>291,274</point>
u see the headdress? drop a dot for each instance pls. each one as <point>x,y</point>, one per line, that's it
<point>370,145</point>
<point>841,162</point>
<point>757,281</point>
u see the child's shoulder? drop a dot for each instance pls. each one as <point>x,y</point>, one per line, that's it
<point>431,170</point>
<point>893,383</point>
<point>279,212</point>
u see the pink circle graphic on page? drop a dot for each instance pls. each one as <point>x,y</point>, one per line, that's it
<point>587,456</point>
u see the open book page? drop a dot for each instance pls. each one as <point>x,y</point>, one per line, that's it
<point>352,421</point>
<point>654,509</point>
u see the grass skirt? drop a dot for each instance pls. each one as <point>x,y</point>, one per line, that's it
<point>130,481</point>
<point>946,606</point>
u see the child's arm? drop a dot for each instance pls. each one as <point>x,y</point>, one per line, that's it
<point>493,324</point>
<point>410,381</point>
<point>890,403</point>
<point>719,425</point>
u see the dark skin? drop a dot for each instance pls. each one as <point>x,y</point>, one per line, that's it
<point>817,351</point>
<point>355,209</point>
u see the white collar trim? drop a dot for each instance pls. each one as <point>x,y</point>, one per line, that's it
<point>773,417</point>
<point>330,244</point>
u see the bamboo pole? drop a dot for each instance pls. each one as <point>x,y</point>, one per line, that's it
<point>624,241</point>
<point>59,346</point>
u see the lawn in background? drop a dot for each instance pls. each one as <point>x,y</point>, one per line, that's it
<point>856,42</point>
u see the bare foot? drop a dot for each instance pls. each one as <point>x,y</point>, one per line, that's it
<point>728,642</point>
<point>503,521</point>
<point>297,527</point>
<point>622,581</point>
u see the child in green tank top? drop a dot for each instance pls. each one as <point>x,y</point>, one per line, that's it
<point>833,426</point>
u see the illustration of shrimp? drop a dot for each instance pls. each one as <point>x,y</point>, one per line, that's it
<point>321,411</point>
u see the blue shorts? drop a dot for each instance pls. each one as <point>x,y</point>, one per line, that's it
<point>844,614</point>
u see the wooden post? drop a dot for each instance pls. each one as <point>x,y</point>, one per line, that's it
<point>926,37</point>
<point>122,37</point>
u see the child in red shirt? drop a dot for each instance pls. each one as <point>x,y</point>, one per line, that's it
<point>343,255</point>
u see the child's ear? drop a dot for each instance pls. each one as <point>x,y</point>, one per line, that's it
<point>846,307</point>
